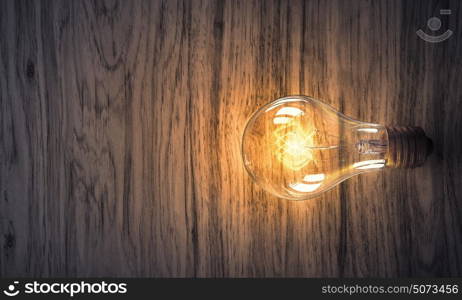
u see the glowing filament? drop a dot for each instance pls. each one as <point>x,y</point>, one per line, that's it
<point>293,145</point>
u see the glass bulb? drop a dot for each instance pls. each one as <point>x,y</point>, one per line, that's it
<point>297,147</point>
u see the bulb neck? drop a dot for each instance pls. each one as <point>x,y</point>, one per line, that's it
<point>408,147</point>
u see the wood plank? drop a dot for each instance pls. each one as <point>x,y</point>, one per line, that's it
<point>122,122</point>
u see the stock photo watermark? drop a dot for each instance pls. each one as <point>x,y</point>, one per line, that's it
<point>65,288</point>
<point>434,24</point>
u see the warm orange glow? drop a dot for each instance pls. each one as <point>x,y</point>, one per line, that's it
<point>293,144</point>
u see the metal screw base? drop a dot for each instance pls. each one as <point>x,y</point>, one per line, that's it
<point>408,147</point>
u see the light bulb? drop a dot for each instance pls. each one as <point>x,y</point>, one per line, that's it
<point>297,147</point>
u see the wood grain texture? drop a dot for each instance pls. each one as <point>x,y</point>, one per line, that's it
<point>121,124</point>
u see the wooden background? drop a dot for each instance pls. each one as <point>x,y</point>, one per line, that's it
<point>121,124</point>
